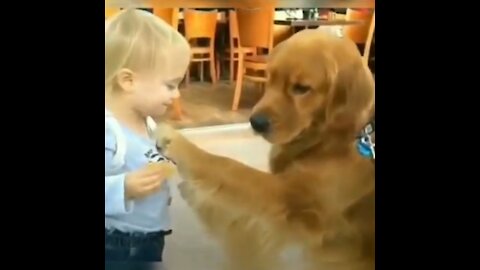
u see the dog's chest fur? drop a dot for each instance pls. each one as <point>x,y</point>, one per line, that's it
<point>281,158</point>
<point>278,159</point>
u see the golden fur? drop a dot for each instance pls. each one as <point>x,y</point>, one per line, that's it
<point>320,194</point>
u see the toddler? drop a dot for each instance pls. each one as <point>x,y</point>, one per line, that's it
<point>145,60</point>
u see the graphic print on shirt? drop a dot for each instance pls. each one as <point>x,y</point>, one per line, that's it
<point>153,156</point>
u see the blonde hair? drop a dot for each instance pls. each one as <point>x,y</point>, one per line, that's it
<point>142,42</point>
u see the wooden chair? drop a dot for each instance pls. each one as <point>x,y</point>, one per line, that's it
<point>358,33</point>
<point>170,15</point>
<point>281,33</point>
<point>370,39</point>
<point>110,11</point>
<point>235,49</point>
<point>255,28</point>
<point>201,25</point>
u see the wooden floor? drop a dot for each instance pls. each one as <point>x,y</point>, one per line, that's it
<point>205,104</point>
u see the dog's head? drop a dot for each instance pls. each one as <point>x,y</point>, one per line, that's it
<point>316,82</point>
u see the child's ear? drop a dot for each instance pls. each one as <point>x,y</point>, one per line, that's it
<point>125,79</point>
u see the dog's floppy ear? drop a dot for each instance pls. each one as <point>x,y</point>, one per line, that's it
<point>351,98</point>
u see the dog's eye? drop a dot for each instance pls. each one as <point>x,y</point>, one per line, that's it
<point>300,89</point>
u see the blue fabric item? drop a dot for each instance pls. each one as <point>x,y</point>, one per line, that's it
<point>364,149</point>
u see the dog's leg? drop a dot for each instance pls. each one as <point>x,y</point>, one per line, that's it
<point>245,250</point>
<point>315,264</point>
<point>260,209</point>
<point>245,243</point>
<point>333,253</point>
<point>224,179</point>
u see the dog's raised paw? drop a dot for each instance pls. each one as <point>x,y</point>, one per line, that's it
<point>164,134</point>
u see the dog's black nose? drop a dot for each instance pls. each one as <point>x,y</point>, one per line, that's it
<point>259,123</point>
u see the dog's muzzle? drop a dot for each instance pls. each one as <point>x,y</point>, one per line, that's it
<point>260,123</point>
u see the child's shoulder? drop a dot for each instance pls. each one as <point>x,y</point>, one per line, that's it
<point>113,131</point>
<point>116,132</point>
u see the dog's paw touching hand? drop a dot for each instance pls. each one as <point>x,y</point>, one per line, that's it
<point>164,136</point>
<point>175,146</point>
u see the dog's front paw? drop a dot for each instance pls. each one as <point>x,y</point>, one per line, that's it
<point>164,136</point>
<point>174,145</point>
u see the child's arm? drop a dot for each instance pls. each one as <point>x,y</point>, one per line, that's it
<point>115,201</point>
<point>122,189</point>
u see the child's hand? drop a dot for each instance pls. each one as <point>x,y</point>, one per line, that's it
<point>144,182</point>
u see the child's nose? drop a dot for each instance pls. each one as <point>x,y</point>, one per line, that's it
<point>175,93</point>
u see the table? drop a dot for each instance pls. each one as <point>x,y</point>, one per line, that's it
<point>315,23</point>
<point>236,3</point>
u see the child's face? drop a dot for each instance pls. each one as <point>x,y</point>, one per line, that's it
<point>153,93</point>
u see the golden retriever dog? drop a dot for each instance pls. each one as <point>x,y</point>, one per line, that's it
<point>320,192</point>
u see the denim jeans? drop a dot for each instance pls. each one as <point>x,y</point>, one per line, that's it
<point>126,249</point>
